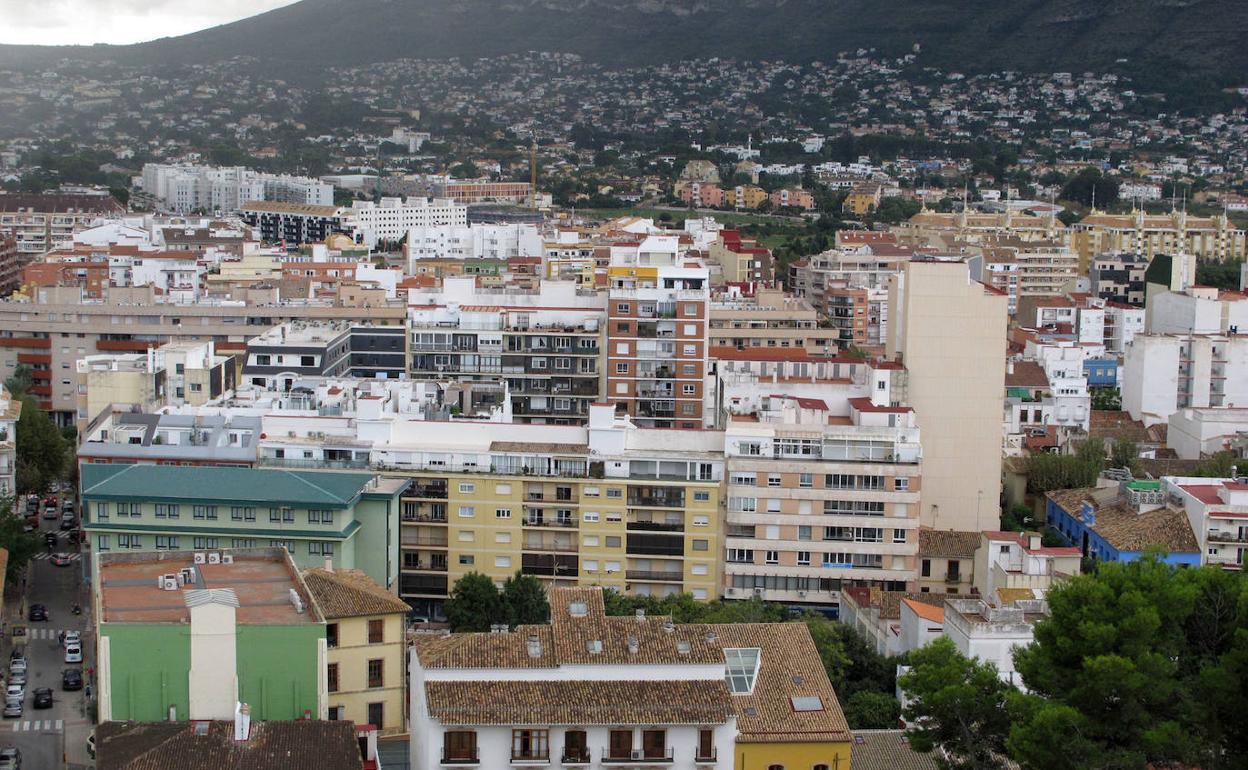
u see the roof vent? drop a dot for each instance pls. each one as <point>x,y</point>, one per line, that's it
<point>683,647</point>
<point>669,626</point>
<point>750,711</point>
<point>797,680</point>
<point>535,646</point>
<point>711,637</point>
<point>633,645</point>
<point>640,613</point>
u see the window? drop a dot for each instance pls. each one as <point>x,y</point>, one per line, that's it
<point>502,562</point>
<point>706,745</point>
<point>613,541</point>
<point>162,511</point>
<point>741,555</point>
<point>467,559</point>
<point>743,504</point>
<point>901,484</point>
<point>575,747</point>
<point>804,533</point>
<point>621,368</point>
<point>688,389</point>
<point>654,744</point>
<point>502,513</point>
<point>331,635</point>
<point>376,631</point>
<point>926,568</point>
<point>204,542</point>
<point>742,669</point>
<point>320,549</point>
<point>102,542</point>
<point>204,512</point>
<point>615,492</point>
<point>803,558</point>
<point>702,496</point>
<point>701,545</point>
<point>590,516</point>
<point>806,480</point>
<point>530,744</point>
<point>239,542</point>
<point>377,714</point>
<point>772,557</point>
<point>331,676</point>
<point>467,511</point>
<point>101,511</point>
<point>243,513</point>
<point>620,745</point>
<point>459,745</point>
<point>899,536</point>
<point>744,479</point>
<point>773,479</point>
<point>467,488</point>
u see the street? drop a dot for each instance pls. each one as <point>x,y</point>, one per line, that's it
<point>41,734</point>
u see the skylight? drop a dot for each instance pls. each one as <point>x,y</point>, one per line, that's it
<point>578,609</point>
<point>807,703</point>
<point>742,669</point>
<point>594,645</point>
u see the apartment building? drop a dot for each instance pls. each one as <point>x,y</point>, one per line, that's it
<point>946,561</point>
<point>630,691</point>
<point>10,413</point>
<point>42,221</point>
<point>392,218</point>
<point>950,333</point>
<point>461,241</point>
<point>768,318</point>
<point>175,373</point>
<point>365,680</point>
<point>546,344</point>
<point>824,479</point>
<point>932,228</point>
<point>1018,560</point>
<point>10,265</point>
<point>1217,510</point>
<point>1123,523</point>
<point>186,188</point>
<point>989,632</point>
<point>56,330</point>
<point>293,223</point>
<point>1194,432</point>
<point>1164,373</point>
<point>187,635</point>
<point>280,357</point>
<point>1198,310</point>
<point>742,259</point>
<point>850,287</point>
<point>1214,237</point>
<point>124,436</point>
<point>1119,277</point>
<point>657,317</point>
<point>482,191</point>
<point>347,517</point>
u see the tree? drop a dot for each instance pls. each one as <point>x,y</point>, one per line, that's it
<point>1106,400</point>
<point>19,383</point>
<point>872,711</point>
<point>1124,454</point>
<point>41,449</point>
<point>474,604</point>
<point>21,545</point>
<point>957,704</point>
<point>1223,274</point>
<point>525,601</point>
<point>1090,187</point>
<point>1140,662</point>
<point>465,170</point>
<point>1218,465</point>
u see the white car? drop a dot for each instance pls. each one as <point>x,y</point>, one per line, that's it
<point>73,653</point>
<point>71,637</point>
<point>15,692</point>
<point>17,664</point>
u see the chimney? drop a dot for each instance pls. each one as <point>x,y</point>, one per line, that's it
<point>633,645</point>
<point>1033,541</point>
<point>242,722</point>
<point>535,646</point>
<point>641,614</point>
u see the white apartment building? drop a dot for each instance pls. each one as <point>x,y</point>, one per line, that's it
<point>823,479</point>
<point>392,218</point>
<point>1009,560</point>
<point>623,691</point>
<point>185,188</point>
<point>1199,310</point>
<point>1065,401</point>
<point>477,241</point>
<point>10,412</point>
<point>990,633</point>
<point>1195,432</point>
<point>1163,373</point>
<point>1217,509</point>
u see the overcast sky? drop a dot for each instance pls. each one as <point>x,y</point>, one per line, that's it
<point>63,22</point>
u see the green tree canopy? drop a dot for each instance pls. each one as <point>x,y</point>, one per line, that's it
<point>474,604</point>
<point>1138,663</point>
<point>20,544</point>
<point>42,451</point>
<point>958,704</point>
<point>525,601</point>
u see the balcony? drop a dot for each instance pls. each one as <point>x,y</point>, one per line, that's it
<point>461,758</point>
<point>953,577</point>
<point>431,491</point>
<point>408,541</point>
<point>424,566</point>
<point>656,526</point>
<point>651,576</point>
<point>703,758</point>
<point>1228,537</point>
<point>539,522</point>
<point>656,501</point>
<point>530,759</point>
<point>638,757</point>
<point>574,755</point>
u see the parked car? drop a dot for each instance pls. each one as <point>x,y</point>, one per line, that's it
<point>71,679</point>
<point>73,653</point>
<point>50,539</point>
<point>61,560</point>
<point>12,708</point>
<point>18,678</point>
<point>15,691</point>
<point>17,654</point>
<point>67,506</point>
<point>10,758</point>
<point>69,521</point>
<point>43,698</point>
<point>38,612</point>
<point>32,505</point>
<point>17,664</point>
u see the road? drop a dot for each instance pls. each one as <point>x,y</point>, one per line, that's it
<point>41,734</point>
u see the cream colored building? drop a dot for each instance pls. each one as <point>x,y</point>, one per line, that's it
<point>769,319</point>
<point>950,332</point>
<point>174,374</point>
<point>1213,237</point>
<point>931,228</point>
<point>10,413</point>
<point>366,648</point>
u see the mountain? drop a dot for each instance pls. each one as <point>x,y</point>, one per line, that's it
<point>1164,39</point>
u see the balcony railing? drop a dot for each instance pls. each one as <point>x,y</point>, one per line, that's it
<point>461,757</point>
<point>425,518</point>
<point>656,526</point>
<point>701,757</point>
<point>638,757</point>
<point>529,758</point>
<point>1228,537</point>
<point>575,755</point>
<point>651,501</point>
<point>427,490</point>
<point>654,576</point>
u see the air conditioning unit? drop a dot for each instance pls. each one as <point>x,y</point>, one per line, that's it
<point>801,594</point>
<point>758,592</point>
<point>227,558</point>
<point>167,582</point>
<point>214,558</point>
<point>200,557</point>
<point>187,576</point>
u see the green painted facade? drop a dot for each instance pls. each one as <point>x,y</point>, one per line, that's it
<point>314,514</point>
<point>277,669</point>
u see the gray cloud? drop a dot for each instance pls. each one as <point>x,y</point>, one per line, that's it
<point>60,22</point>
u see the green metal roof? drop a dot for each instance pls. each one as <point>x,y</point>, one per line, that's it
<point>304,489</point>
<point>1144,484</point>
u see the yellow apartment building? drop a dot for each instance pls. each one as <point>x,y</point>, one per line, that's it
<point>365,672</point>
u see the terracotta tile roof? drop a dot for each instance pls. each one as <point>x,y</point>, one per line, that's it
<point>1128,530</point>
<point>294,745</point>
<point>789,667</point>
<point>947,544</point>
<point>928,612</point>
<point>656,636</point>
<point>579,702</point>
<point>486,650</point>
<point>1026,374</point>
<point>887,750</point>
<point>349,593</point>
<point>1116,426</point>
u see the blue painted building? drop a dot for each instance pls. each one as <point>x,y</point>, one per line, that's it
<point>1101,372</point>
<point>1122,523</point>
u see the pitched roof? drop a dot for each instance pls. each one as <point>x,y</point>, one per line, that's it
<point>947,543</point>
<point>205,482</point>
<point>294,745</point>
<point>926,611</point>
<point>579,702</point>
<point>887,750</point>
<point>1127,529</point>
<point>349,593</point>
<point>1027,374</point>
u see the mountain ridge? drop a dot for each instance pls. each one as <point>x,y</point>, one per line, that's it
<point>1169,38</point>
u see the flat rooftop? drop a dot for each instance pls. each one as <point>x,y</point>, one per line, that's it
<point>261,579</point>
